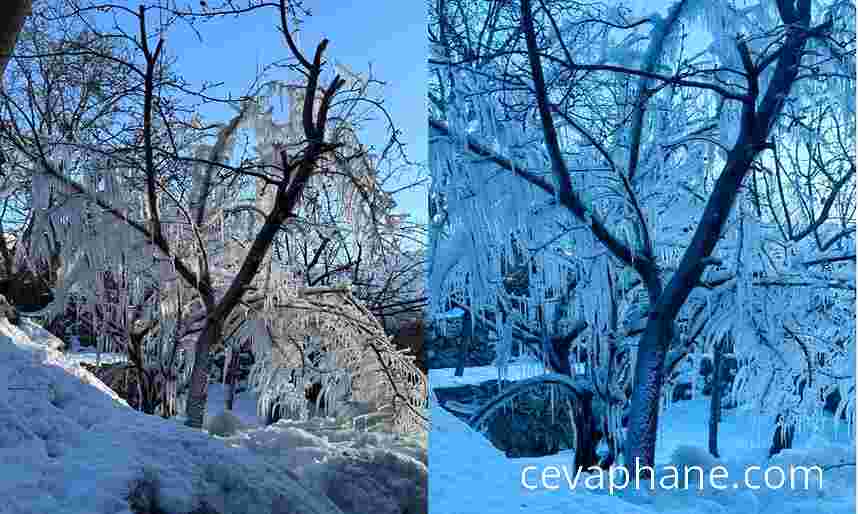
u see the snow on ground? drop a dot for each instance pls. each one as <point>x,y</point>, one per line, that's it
<point>470,476</point>
<point>90,356</point>
<point>69,445</point>
<point>363,472</point>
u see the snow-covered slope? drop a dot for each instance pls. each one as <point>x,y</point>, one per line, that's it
<point>69,445</point>
<point>470,476</point>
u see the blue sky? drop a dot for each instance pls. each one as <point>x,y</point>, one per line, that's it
<point>390,35</point>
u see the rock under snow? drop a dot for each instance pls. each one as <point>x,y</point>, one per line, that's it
<point>223,424</point>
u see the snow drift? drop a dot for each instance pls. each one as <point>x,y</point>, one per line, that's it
<point>69,445</point>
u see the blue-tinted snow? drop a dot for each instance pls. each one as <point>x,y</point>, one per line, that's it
<point>470,476</point>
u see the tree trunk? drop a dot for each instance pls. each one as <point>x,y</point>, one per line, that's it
<point>229,395</point>
<point>561,350</point>
<point>715,401</point>
<point>646,395</point>
<point>585,447</point>
<point>465,338</point>
<point>782,438</point>
<point>13,14</point>
<point>464,343</point>
<point>216,313</point>
<point>148,392</point>
<point>197,393</point>
<point>613,451</point>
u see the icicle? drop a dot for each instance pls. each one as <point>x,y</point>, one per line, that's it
<point>222,228</point>
<point>227,359</point>
<point>551,389</point>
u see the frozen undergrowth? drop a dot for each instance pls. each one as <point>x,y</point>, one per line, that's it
<point>69,445</point>
<point>470,476</point>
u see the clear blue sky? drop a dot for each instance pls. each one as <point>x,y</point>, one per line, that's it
<point>389,34</point>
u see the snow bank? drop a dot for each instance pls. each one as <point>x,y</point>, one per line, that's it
<point>69,445</point>
<point>834,494</point>
<point>362,472</point>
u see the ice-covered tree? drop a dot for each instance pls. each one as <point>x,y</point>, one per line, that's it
<point>164,216</point>
<point>573,138</point>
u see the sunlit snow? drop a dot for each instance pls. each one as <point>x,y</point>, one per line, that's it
<point>70,445</point>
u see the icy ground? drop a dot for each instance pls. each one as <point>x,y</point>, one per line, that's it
<point>470,476</point>
<point>69,445</point>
